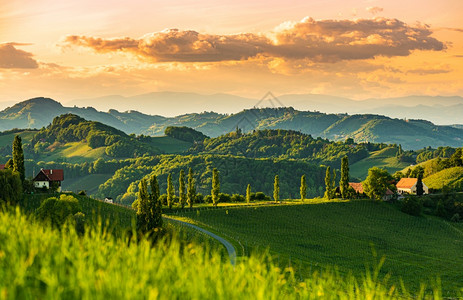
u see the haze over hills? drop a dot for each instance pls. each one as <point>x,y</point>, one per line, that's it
<point>412,134</point>
<point>437,109</point>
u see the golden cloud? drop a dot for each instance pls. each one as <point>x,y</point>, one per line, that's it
<point>318,41</point>
<point>12,58</point>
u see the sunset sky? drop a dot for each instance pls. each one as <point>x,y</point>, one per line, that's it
<point>356,49</point>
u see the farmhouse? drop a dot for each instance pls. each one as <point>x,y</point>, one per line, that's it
<point>358,187</point>
<point>49,178</point>
<point>408,186</point>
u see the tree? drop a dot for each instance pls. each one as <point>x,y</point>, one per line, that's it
<point>248,193</point>
<point>154,217</point>
<point>377,182</point>
<point>191,191</point>
<point>58,210</point>
<point>215,187</point>
<point>276,189</point>
<point>142,211</point>
<point>170,191</point>
<point>303,189</point>
<point>18,158</point>
<point>419,185</point>
<point>181,189</point>
<point>10,187</point>
<point>344,181</point>
<point>329,183</point>
<point>9,164</point>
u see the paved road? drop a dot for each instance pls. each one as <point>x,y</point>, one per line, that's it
<point>230,249</point>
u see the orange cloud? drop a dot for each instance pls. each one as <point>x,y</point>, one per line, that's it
<point>12,58</point>
<point>374,10</point>
<point>319,41</point>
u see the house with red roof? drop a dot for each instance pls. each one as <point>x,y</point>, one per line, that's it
<point>408,186</point>
<point>49,178</point>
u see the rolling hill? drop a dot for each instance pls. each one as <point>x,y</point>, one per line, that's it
<point>412,134</point>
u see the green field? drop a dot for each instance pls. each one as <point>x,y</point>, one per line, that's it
<point>88,183</point>
<point>452,177</point>
<point>384,158</point>
<point>76,152</point>
<point>38,262</point>
<point>343,234</point>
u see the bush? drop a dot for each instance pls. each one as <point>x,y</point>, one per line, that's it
<point>10,186</point>
<point>199,198</point>
<point>237,198</point>
<point>259,196</point>
<point>224,197</point>
<point>57,211</point>
<point>412,206</point>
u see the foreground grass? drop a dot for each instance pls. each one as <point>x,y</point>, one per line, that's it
<point>38,262</point>
<point>345,234</point>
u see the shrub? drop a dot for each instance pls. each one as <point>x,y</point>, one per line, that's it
<point>237,198</point>
<point>412,206</point>
<point>57,211</point>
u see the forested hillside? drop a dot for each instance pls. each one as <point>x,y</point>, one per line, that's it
<point>412,134</point>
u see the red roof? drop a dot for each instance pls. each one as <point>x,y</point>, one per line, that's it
<point>357,186</point>
<point>54,175</point>
<point>406,183</point>
<point>389,192</point>
<point>2,167</point>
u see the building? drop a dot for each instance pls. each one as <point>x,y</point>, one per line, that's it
<point>358,187</point>
<point>2,167</point>
<point>49,178</point>
<point>408,186</point>
<point>108,200</point>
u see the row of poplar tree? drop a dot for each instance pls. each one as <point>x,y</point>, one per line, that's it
<point>149,205</point>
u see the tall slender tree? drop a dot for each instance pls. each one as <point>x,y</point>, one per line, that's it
<point>181,189</point>
<point>215,187</point>
<point>170,191</point>
<point>18,158</point>
<point>154,218</point>
<point>191,190</point>
<point>248,193</point>
<point>276,189</point>
<point>303,188</point>
<point>344,181</point>
<point>329,184</point>
<point>419,185</point>
<point>142,211</point>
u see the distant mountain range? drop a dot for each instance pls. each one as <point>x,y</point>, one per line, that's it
<point>412,134</point>
<point>437,109</point>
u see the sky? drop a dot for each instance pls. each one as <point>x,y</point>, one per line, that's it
<point>357,49</point>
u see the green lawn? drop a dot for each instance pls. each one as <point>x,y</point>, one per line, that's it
<point>384,158</point>
<point>343,234</point>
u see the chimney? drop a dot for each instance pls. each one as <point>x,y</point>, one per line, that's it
<point>51,172</point>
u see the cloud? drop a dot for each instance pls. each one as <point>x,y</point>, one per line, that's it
<point>12,58</point>
<point>374,10</point>
<point>318,41</point>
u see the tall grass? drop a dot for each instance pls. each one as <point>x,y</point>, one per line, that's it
<point>38,262</point>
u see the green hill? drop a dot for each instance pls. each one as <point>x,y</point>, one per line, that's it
<point>452,178</point>
<point>412,134</point>
<point>345,234</point>
<point>384,158</point>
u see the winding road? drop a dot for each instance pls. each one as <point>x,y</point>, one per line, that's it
<point>230,249</point>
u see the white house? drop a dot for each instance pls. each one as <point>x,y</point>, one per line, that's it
<point>47,177</point>
<point>408,186</point>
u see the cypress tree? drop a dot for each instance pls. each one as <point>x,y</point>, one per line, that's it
<point>344,181</point>
<point>18,158</point>
<point>303,188</point>
<point>154,218</point>
<point>181,189</point>
<point>248,193</point>
<point>276,189</point>
<point>191,191</point>
<point>215,187</point>
<point>170,191</point>
<point>328,192</point>
<point>419,185</point>
<point>142,211</point>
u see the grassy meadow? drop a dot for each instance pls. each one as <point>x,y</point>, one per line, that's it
<point>345,235</point>
<point>39,262</point>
